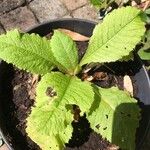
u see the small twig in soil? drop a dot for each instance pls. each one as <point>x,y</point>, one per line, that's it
<point>127,84</point>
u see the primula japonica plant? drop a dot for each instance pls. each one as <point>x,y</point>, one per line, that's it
<point>50,122</point>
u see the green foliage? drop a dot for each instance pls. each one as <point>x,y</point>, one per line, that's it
<point>111,112</point>
<point>97,3</point>
<point>65,52</point>
<point>116,117</point>
<point>111,40</point>
<point>144,52</point>
<point>147,11</point>
<point>101,3</point>
<point>28,52</point>
<point>52,116</point>
<point>145,17</point>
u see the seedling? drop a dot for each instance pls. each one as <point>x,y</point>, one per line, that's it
<point>50,122</point>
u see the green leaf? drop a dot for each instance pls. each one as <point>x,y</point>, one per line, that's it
<point>144,52</point>
<point>116,117</point>
<point>147,11</point>
<point>28,52</point>
<point>97,3</point>
<point>145,17</point>
<point>101,3</point>
<point>116,37</point>
<point>65,52</point>
<point>51,118</point>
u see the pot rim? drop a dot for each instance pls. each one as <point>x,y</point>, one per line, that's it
<point>58,20</point>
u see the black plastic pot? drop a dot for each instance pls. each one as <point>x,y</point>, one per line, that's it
<point>85,27</point>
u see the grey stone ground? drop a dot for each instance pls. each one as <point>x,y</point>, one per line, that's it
<point>24,14</point>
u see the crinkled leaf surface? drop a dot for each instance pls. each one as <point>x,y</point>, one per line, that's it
<point>116,117</point>
<point>65,52</point>
<point>116,37</point>
<point>49,124</point>
<point>28,52</point>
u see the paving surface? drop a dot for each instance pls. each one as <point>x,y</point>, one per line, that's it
<point>24,14</point>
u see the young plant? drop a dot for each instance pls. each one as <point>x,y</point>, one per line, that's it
<point>111,112</point>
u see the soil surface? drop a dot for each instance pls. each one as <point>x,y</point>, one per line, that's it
<point>20,94</point>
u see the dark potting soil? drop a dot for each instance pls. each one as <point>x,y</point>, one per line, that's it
<point>20,94</point>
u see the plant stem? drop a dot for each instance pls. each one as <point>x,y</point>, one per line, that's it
<point>77,70</point>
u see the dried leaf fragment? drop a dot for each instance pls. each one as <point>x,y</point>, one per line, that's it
<point>127,83</point>
<point>113,147</point>
<point>35,79</point>
<point>32,86</point>
<point>74,35</point>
